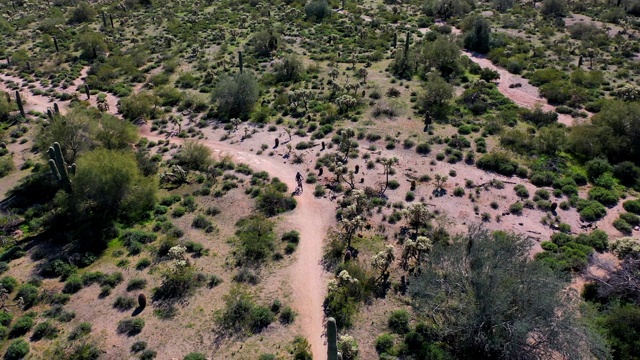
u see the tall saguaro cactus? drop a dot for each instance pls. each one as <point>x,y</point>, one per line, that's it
<point>59,168</point>
<point>20,107</point>
<point>240,64</point>
<point>332,340</point>
<point>55,42</point>
<point>104,19</point>
<point>406,45</point>
<point>86,90</point>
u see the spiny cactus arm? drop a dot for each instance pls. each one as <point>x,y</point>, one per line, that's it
<point>54,169</point>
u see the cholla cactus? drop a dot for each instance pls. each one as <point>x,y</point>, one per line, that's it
<point>177,252</point>
<point>625,246</point>
<point>415,249</point>
<point>348,346</point>
<point>344,278</point>
<point>345,102</point>
<point>383,260</point>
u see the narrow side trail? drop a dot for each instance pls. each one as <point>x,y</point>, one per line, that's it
<point>314,217</point>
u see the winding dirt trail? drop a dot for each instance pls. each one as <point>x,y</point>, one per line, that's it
<point>306,275</point>
<point>314,217</point>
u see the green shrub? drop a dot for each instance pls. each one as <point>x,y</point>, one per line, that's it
<point>272,202</point>
<point>148,354</point>
<point>17,350</point>
<point>256,239</point>
<point>603,196</point>
<point>597,167</point>
<point>73,285</point>
<point>399,321</point>
<point>82,329</point>
<point>623,226</point>
<point>29,295</point>
<point>44,330</point>
<point>9,283</point>
<point>292,236</point>
<point>458,191</point>
<point>5,318</point>
<point>22,325</point>
<point>143,264</point>
<point>138,346</point>
<point>287,316</point>
<point>195,356</point>
<point>137,236</point>
<point>384,344</point>
<point>590,210</point>
<point>632,206</point>
<point>124,303</point>
<point>423,148</point>
<point>521,191</point>
<point>201,222</point>
<point>498,162</point>
<point>516,208</point>
<point>130,327</point>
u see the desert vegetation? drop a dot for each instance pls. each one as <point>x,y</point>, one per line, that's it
<point>399,180</point>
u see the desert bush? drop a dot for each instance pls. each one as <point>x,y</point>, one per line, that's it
<point>623,226</point>
<point>195,356</point>
<point>241,314</point>
<point>272,201</point>
<point>554,8</point>
<point>84,12</point>
<point>256,239</point>
<point>22,325</point>
<point>29,294</point>
<point>44,330</point>
<point>82,329</point>
<point>17,350</point>
<point>516,208</point>
<point>73,285</point>
<point>287,316</point>
<point>124,303</point>
<point>590,210</point>
<point>521,191</point>
<point>194,156</point>
<point>499,162</point>
<point>130,327</point>
<point>632,206</point>
<point>5,318</point>
<point>9,283</point>
<point>178,282</point>
<point>603,196</point>
<point>384,343</point>
<point>139,106</point>
<point>317,10</point>
<point>201,222</point>
<point>236,96</point>
<point>398,321</point>
<point>292,236</point>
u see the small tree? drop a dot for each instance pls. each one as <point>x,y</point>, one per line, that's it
<point>236,96</point>
<point>477,36</point>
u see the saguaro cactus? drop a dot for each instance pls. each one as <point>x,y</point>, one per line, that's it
<point>104,19</point>
<point>395,40</point>
<point>56,109</point>
<point>59,168</point>
<point>19,101</point>
<point>142,301</point>
<point>406,45</point>
<point>240,64</point>
<point>332,340</point>
<point>111,20</point>
<point>55,43</point>
<point>86,90</point>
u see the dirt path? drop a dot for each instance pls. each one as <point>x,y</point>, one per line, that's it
<point>526,95</point>
<point>307,278</point>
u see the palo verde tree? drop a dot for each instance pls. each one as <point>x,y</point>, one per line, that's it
<point>488,300</point>
<point>107,186</point>
<point>477,34</point>
<point>236,96</point>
